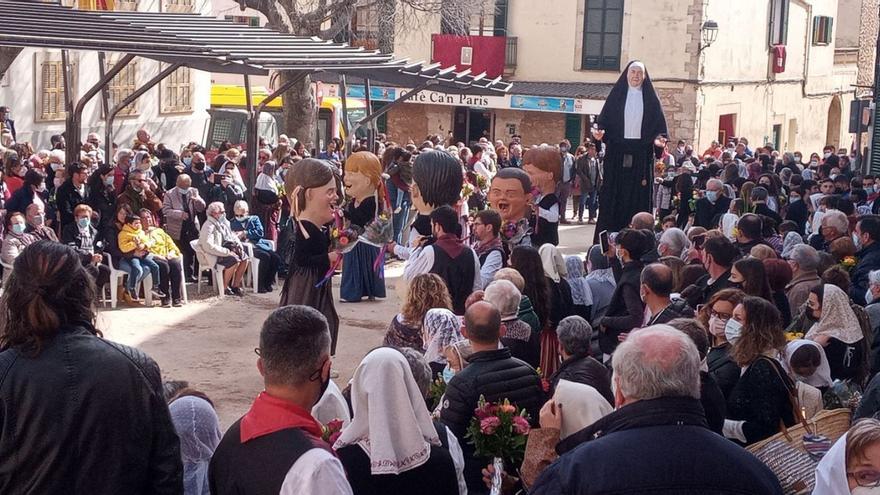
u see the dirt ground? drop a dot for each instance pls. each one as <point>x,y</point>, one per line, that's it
<point>210,342</point>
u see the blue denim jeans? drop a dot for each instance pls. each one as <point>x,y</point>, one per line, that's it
<point>588,202</point>
<point>400,200</point>
<point>138,269</point>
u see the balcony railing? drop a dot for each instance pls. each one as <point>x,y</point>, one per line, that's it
<point>510,53</point>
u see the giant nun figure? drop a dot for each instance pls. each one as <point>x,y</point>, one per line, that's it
<point>630,123</point>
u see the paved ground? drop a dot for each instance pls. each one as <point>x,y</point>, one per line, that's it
<point>210,342</point>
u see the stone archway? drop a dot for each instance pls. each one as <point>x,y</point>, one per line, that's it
<point>832,133</point>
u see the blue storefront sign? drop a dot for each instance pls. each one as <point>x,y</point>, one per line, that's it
<point>377,93</point>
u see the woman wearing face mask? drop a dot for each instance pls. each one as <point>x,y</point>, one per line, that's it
<point>852,466</point>
<point>13,170</point>
<point>838,331</point>
<point>714,317</point>
<point>441,329</point>
<point>102,195</point>
<point>761,397</point>
<point>32,191</point>
<point>249,229</point>
<point>626,310</point>
<point>15,239</point>
<point>749,275</point>
<point>806,362</point>
<point>267,199</point>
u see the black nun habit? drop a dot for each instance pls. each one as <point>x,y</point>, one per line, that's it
<point>629,163</point>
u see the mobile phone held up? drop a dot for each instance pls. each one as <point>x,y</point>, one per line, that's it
<point>699,240</point>
<point>603,241</point>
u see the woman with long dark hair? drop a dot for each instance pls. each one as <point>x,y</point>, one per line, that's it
<point>102,196</point>
<point>527,261</point>
<point>751,276</point>
<point>94,417</point>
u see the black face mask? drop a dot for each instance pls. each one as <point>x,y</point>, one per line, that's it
<point>199,166</point>
<point>736,285</point>
<point>324,384</point>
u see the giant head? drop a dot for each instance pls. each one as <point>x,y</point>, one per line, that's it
<point>510,193</point>
<point>635,75</point>
<point>438,179</point>
<point>544,167</point>
<point>363,172</point>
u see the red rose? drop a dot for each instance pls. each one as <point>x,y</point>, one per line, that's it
<point>489,425</point>
<point>520,425</point>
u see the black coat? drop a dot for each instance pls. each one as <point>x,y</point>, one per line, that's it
<point>67,198</point>
<point>586,370</point>
<point>85,415</point>
<point>706,214</point>
<point>496,376</point>
<point>702,290</point>
<point>799,214</point>
<point>658,446</point>
<point>626,309</point>
<point>869,259</point>
<point>723,369</point>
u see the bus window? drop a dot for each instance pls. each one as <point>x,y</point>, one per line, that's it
<point>355,115</point>
<point>325,128</point>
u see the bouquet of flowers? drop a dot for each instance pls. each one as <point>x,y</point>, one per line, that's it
<point>343,238</point>
<point>436,391</point>
<point>789,336</point>
<point>482,183</point>
<point>849,262</point>
<point>467,189</point>
<point>499,431</point>
<point>513,232</point>
<point>331,431</point>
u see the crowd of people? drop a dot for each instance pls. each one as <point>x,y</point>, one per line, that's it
<point>749,299</point>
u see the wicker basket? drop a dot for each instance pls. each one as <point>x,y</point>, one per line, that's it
<point>831,423</point>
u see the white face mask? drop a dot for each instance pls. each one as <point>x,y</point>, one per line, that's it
<point>869,296</point>
<point>716,326</point>
<point>732,330</point>
<point>866,490</point>
<point>857,241</point>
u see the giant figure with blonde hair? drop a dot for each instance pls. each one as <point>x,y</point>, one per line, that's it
<point>312,187</point>
<point>362,271</point>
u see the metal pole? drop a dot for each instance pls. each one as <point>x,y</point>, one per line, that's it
<point>70,155</point>
<point>347,140</point>
<point>105,104</point>
<point>111,115</point>
<point>368,89</point>
<point>73,127</point>
<point>252,134</point>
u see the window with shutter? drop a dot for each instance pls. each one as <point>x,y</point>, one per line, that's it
<point>123,85</point>
<point>822,29</point>
<point>778,22</point>
<point>603,26</point>
<point>51,95</point>
<point>185,6</point>
<point>176,91</point>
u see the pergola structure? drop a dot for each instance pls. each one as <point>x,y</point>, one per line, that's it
<point>213,45</point>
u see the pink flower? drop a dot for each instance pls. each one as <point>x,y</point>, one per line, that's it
<point>488,425</point>
<point>334,425</point>
<point>520,425</point>
<point>485,411</point>
<point>507,408</point>
<point>334,437</point>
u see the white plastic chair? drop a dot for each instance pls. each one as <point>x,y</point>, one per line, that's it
<point>252,277</point>
<point>182,280</point>
<point>117,275</point>
<point>216,271</point>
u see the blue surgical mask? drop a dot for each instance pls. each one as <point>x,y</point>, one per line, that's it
<point>794,199</point>
<point>732,330</point>
<point>108,181</point>
<point>241,218</point>
<point>712,196</point>
<point>183,190</point>
<point>869,190</point>
<point>187,160</point>
<point>84,222</point>
<point>18,228</point>
<point>447,374</point>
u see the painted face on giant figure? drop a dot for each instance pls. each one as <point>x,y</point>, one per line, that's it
<point>363,172</point>
<point>313,190</point>
<point>544,167</point>
<point>510,194</point>
<point>635,76</point>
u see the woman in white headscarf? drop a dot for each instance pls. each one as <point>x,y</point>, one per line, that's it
<point>838,331</point>
<point>561,305</point>
<point>198,428</point>
<point>583,406</point>
<point>581,295</point>
<point>790,240</point>
<point>267,199</point>
<point>441,329</point>
<point>852,465</point>
<point>805,362</point>
<point>391,445</point>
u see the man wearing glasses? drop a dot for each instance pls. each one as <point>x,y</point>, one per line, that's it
<point>486,230</point>
<point>138,194</point>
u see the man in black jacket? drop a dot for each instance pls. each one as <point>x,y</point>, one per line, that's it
<point>718,257</point>
<point>868,233</point>
<point>575,335</point>
<point>72,193</point>
<point>7,122</point>
<point>657,435</point>
<point>493,374</point>
<point>798,212</point>
<point>655,291</point>
<point>709,208</point>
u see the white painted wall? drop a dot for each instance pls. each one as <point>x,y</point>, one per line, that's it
<point>17,91</point>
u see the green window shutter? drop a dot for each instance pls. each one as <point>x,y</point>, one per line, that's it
<point>603,27</point>
<point>573,130</point>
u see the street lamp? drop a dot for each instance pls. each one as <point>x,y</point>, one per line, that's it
<point>709,33</point>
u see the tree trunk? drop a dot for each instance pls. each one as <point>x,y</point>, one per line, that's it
<point>7,56</point>
<point>299,110</point>
<point>385,12</point>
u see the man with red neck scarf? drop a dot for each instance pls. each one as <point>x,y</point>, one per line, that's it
<point>448,257</point>
<point>277,447</point>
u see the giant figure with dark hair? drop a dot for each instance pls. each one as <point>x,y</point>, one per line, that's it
<point>631,124</point>
<point>437,180</point>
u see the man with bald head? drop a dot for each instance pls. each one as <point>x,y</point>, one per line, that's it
<point>656,286</point>
<point>658,418</point>
<point>492,373</point>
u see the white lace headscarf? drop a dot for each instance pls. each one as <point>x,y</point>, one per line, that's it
<point>198,428</point>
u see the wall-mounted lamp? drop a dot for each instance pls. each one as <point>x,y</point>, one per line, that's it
<point>709,33</point>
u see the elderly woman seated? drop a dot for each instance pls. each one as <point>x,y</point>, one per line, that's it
<point>518,336</point>
<point>15,239</point>
<point>221,246</point>
<point>249,228</point>
<point>82,236</point>
<point>166,255</point>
